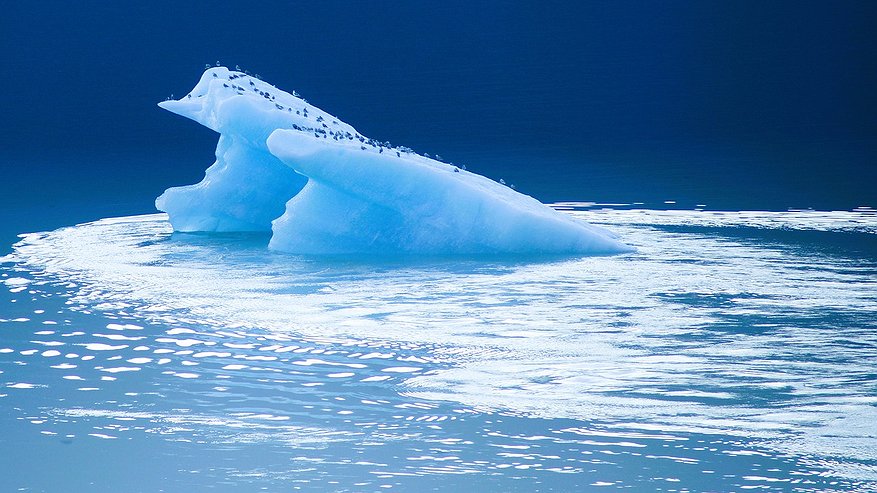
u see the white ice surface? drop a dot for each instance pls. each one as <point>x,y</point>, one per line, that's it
<point>329,190</point>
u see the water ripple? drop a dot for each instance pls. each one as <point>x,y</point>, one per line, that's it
<point>720,355</point>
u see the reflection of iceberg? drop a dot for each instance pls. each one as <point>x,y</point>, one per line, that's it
<point>344,193</point>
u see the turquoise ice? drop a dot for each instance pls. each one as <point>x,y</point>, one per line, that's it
<point>322,187</point>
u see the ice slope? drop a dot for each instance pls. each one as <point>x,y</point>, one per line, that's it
<point>366,200</point>
<point>323,188</point>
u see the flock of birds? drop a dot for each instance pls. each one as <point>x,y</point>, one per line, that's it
<point>242,83</point>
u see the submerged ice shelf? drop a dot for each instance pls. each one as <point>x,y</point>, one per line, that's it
<point>323,188</point>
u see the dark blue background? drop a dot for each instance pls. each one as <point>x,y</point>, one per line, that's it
<point>743,104</point>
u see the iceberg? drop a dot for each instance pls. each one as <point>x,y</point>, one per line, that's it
<point>322,188</point>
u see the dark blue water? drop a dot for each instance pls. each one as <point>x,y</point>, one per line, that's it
<point>738,106</point>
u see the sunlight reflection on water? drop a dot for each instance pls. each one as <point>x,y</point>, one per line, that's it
<point>722,354</point>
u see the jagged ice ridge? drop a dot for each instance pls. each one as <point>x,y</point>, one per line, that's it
<point>286,166</point>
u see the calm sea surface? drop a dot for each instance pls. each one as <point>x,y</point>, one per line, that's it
<point>733,351</point>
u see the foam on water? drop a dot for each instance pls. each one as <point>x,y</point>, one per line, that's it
<point>723,354</point>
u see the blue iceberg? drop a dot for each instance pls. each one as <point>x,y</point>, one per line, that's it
<point>321,187</point>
